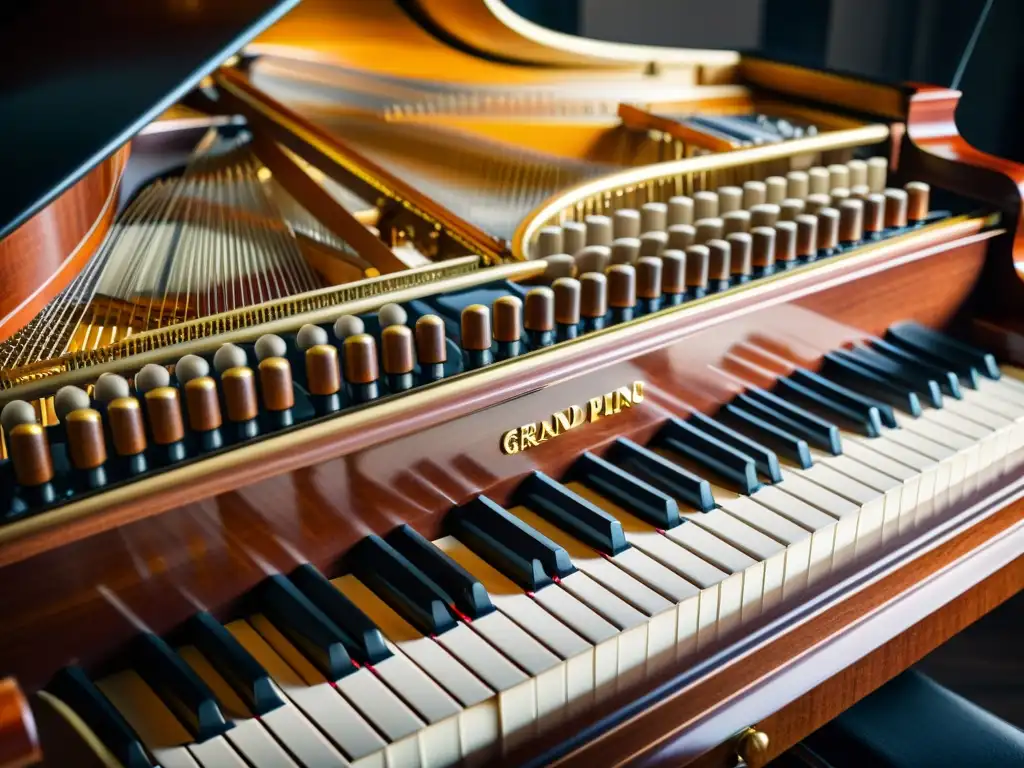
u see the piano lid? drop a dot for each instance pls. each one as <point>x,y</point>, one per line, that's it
<point>79,79</point>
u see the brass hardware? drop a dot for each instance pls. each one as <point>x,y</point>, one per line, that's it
<point>752,746</point>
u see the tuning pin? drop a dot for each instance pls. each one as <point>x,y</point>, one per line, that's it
<point>819,181</point>
<point>895,208</point>
<point>567,308</point>
<point>719,265</point>
<point>797,185</point>
<point>648,285</point>
<point>241,405</point>
<point>764,215</point>
<point>785,244</point>
<point>828,231</point>
<point>673,277</point>
<point>127,435</point>
<point>310,336</point>
<point>593,258</point>
<point>790,208</point>
<point>33,467</point>
<point>202,404</point>
<point>574,237</point>
<point>729,199</point>
<point>653,243</point>
<point>599,230</point>
<point>709,229</point>
<point>735,221</point>
<point>777,188</point>
<point>109,387</point>
<point>741,266</point>
<point>626,223</point>
<point>166,426</point>
<point>697,258</point>
<point>391,314</point>
<point>559,265</point>
<point>431,348</point>
<point>87,447</point>
<point>323,375</point>
<point>229,356</point>
<point>878,172</point>
<point>680,210</point>
<point>476,337</point>
<point>874,216</point>
<point>593,301</point>
<point>754,193</point>
<point>838,176</point>
<point>151,377</point>
<point>917,201</point>
<point>625,250</point>
<point>549,242</point>
<point>361,373</point>
<point>762,250</point>
<point>858,173</point>
<point>621,292</point>
<point>507,321</point>
<point>539,317</point>
<point>397,355</point>
<point>806,237</point>
<point>681,236</point>
<point>277,391</point>
<point>653,217</point>
<point>705,205</point>
<point>271,345</point>
<point>851,222</point>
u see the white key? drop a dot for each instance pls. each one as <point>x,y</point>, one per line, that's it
<point>150,718</point>
<point>871,476</point>
<point>216,753</point>
<point>597,567</point>
<point>427,654</point>
<point>249,736</point>
<point>324,706</point>
<point>846,513</point>
<point>870,501</point>
<point>822,526</point>
<point>915,470</point>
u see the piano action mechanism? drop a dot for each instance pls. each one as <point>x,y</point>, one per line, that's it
<point>512,399</point>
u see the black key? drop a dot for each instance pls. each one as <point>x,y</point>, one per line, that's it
<point>765,460</point>
<point>893,372</point>
<point>242,672</point>
<point>526,556</point>
<point>870,423</point>
<point>73,687</point>
<point>792,418</point>
<point>402,585</point>
<point>949,382</point>
<point>469,594</point>
<point>363,640</point>
<point>845,396</point>
<point>663,474</point>
<point>632,494</point>
<point>180,688</point>
<point>786,443</point>
<point>572,513</point>
<point>305,626</point>
<point>864,381</point>
<point>941,347</point>
<point>685,439</point>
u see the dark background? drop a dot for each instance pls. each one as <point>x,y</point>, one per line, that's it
<point>891,40</point>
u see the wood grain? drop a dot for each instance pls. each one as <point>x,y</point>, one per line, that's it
<point>19,745</point>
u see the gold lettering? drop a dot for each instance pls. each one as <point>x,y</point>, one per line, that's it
<point>528,436</point>
<point>578,417</point>
<point>531,435</point>
<point>510,442</point>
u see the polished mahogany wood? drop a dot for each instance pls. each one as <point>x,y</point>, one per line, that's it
<point>19,744</point>
<point>43,255</point>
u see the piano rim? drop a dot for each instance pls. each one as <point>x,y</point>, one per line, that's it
<point>396,416</point>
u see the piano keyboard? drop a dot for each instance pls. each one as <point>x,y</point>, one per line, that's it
<point>424,652</point>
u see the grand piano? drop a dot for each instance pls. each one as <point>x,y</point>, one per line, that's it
<point>406,384</point>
